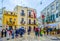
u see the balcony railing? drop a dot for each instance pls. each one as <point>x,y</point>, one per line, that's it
<point>11,23</point>
<point>10,14</point>
<point>32,23</point>
<point>30,16</point>
<point>23,22</point>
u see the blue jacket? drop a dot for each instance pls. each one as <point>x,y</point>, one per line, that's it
<point>21,31</point>
<point>17,32</point>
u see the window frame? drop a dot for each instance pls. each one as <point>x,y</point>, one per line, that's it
<point>22,13</point>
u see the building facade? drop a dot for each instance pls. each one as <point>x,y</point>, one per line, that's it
<point>52,13</point>
<point>26,17</point>
<point>39,22</point>
<point>20,17</point>
<point>9,19</point>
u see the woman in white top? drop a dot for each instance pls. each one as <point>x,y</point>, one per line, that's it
<point>8,34</point>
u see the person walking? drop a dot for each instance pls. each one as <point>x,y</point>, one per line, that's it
<point>2,33</point>
<point>5,32</point>
<point>16,33</point>
<point>8,34</point>
<point>36,31</point>
<point>21,31</point>
<point>29,30</point>
<point>12,33</point>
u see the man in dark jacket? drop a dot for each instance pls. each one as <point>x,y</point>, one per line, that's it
<point>21,31</point>
<point>16,32</point>
<point>29,30</point>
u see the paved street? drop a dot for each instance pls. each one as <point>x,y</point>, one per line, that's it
<point>33,38</point>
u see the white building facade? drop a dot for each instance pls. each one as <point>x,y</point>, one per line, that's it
<point>52,13</point>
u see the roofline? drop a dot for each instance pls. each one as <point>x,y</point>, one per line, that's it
<point>24,7</point>
<point>47,6</point>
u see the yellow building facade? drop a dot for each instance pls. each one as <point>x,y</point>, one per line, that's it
<point>9,19</point>
<point>25,17</point>
<point>20,17</point>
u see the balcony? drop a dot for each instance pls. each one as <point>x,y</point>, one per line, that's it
<point>29,23</point>
<point>10,14</point>
<point>22,22</point>
<point>11,23</point>
<point>34,23</point>
<point>30,16</point>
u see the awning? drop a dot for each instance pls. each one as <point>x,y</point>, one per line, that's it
<point>52,25</point>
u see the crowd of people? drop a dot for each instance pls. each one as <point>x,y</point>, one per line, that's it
<point>12,33</point>
<point>21,31</point>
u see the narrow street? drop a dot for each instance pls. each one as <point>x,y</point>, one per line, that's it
<point>33,38</point>
<point>29,20</point>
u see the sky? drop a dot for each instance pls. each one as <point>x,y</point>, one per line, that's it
<point>39,5</point>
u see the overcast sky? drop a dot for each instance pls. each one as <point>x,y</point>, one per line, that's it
<point>36,4</point>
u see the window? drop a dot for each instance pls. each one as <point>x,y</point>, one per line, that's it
<point>47,9</point>
<point>14,19</point>
<point>53,17</point>
<point>29,13</point>
<point>34,22</point>
<point>11,13</point>
<point>47,12</point>
<point>29,27</point>
<point>22,19</point>
<point>22,13</point>
<point>0,12</point>
<point>10,19</point>
<point>52,7</point>
<point>57,15</point>
<point>29,21</point>
<point>57,5</point>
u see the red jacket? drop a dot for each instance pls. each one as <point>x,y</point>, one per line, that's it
<point>36,29</point>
